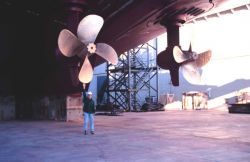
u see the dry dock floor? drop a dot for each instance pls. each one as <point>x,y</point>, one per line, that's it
<point>167,136</point>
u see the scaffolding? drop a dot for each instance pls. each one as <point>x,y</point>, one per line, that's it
<point>134,78</point>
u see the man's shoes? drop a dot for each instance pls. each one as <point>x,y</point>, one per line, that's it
<point>85,132</point>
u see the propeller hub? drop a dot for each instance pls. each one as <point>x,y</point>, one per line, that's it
<point>195,55</point>
<point>91,48</point>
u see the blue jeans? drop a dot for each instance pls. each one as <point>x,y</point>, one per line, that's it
<point>88,117</point>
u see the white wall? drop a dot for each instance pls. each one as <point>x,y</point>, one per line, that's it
<point>98,71</point>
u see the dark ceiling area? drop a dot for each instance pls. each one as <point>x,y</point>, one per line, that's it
<point>26,63</point>
<point>30,62</point>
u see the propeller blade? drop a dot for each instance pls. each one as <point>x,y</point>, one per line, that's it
<point>89,28</point>
<point>203,58</point>
<point>107,52</point>
<point>86,73</point>
<point>191,73</point>
<point>190,47</point>
<point>69,45</point>
<point>180,56</point>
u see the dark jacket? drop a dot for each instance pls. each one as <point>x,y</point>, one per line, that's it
<point>88,104</point>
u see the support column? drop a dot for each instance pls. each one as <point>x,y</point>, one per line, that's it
<point>165,59</point>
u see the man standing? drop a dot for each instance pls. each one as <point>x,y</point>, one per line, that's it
<point>89,110</point>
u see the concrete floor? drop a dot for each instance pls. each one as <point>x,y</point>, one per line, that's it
<point>197,136</point>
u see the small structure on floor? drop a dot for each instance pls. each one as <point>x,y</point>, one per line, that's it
<point>108,109</point>
<point>166,98</point>
<point>241,104</point>
<point>151,105</point>
<point>194,100</point>
<point>242,108</point>
<point>74,107</point>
